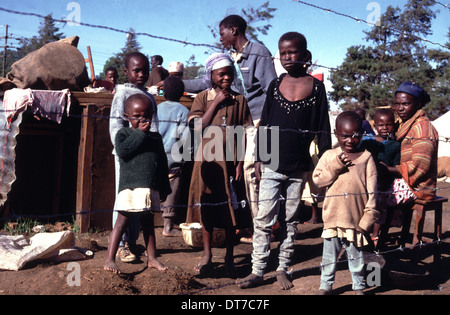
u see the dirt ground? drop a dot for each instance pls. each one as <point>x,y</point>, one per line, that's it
<point>44,278</point>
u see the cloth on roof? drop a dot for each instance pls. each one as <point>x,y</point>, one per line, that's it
<point>50,104</point>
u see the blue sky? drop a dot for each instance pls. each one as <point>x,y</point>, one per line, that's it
<point>329,35</point>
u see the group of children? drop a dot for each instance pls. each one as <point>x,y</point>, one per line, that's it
<point>295,101</point>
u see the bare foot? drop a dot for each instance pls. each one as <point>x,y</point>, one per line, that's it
<point>250,281</point>
<point>283,281</point>
<point>156,264</point>
<point>171,233</point>
<point>111,266</point>
<point>204,263</point>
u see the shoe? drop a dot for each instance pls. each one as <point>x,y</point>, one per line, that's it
<point>125,255</point>
<point>359,292</point>
<point>323,292</point>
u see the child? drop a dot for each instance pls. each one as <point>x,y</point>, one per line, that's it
<point>386,152</point>
<point>143,178</point>
<point>349,208</point>
<point>212,111</point>
<point>294,101</point>
<point>172,118</point>
<point>137,69</point>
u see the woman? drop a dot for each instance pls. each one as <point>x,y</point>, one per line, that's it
<point>419,145</point>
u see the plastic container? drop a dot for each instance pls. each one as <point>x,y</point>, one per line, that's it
<point>193,235</point>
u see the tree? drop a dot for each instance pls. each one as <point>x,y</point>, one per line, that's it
<point>191,68</point>
<point>253,17</point>
<point>48,32</point>
<point>118,60</point>
<point>369,75</point>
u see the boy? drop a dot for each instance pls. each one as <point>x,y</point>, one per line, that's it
<point>143,179</point>
<point>172,118</point>
<point>136,69</point>
<point>349,208</point>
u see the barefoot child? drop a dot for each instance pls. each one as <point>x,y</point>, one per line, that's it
<point>294,101</point>
<point>215,111</point>
<point>137,68</point>
<point>143,178</point>
<point>349,208</point>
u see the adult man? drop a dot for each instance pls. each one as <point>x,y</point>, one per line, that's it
<point>158,73</point>
<point>255,70</point>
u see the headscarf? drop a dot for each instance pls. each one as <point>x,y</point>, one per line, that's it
<point>216,61</point>
<point>414,90</point>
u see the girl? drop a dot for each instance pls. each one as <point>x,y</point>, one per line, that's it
<point>295,101</point>
<point>212,111</point>
<point>143,177</point>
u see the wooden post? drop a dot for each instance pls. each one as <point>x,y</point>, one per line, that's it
<point>85,151</point>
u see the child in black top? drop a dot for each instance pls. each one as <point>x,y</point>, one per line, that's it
<point>295,102</point>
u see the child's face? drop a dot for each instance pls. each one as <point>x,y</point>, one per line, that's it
<point>137,71</point>
<point>223,77</point>
<point>384,125</point>
<point>290,55</point>
<point>139,114</point>
<point>111,76</point>
<point>349,136</point>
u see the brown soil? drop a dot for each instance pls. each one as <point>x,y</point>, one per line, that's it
<point>44,278</point>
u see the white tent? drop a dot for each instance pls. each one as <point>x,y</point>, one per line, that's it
<point>442,125</point>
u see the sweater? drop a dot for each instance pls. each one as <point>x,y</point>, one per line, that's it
<point>419,148</point>
<point>143,162</point>
<point>116,120</point>
<point>350,200</point>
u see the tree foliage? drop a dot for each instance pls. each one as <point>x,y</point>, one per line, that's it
<point>369,75</point>
<point>48,32</point>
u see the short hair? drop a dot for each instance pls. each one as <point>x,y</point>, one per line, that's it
<point>349,116</point>
<point>302,43</point>
<point>295,36</point>
<point>173,88</point>
<point>384,111</point>
<point>361,111</point>
<point>234,21</point>
<point>158,58</point>
<point>134,55</point>
<point>138,97</point>
<point>111,69</point>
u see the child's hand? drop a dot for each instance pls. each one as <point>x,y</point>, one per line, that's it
<point>144,126</point>
<point>222,95</point>
<point>343,157</point>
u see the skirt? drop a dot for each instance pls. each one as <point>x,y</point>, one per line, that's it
<point>138,200</point>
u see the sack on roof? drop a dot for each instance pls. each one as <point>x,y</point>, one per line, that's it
<point>55,66</point>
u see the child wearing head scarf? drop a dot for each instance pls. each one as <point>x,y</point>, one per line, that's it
<point>218,116</point>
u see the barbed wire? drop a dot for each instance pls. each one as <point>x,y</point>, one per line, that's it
<point>445,139</point>
<point>398,32</point>
<point>188,43</point>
